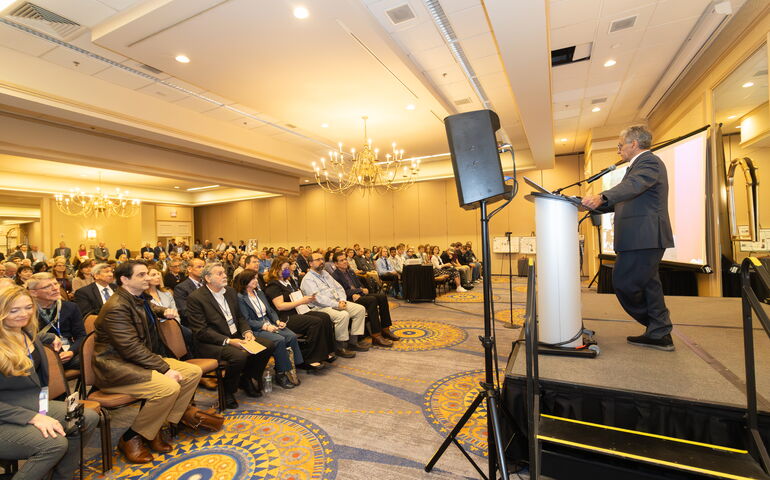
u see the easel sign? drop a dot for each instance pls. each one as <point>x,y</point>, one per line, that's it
<point>500,245</point>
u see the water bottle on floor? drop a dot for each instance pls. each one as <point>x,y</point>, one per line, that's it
<point>267,383</point>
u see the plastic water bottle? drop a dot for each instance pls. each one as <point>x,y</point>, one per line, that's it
<point>267,383</point>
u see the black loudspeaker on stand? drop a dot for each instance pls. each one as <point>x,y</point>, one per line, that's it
<point>479,179</point>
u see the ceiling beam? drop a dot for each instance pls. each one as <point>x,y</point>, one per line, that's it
<point>521,30</point>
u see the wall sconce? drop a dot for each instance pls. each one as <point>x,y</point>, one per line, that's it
<point>91,234</point>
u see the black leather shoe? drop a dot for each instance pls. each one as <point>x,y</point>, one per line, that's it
<point>247,385</point>
<point>331,358</point>
<point>230,402</point>
<point>283,381</point>
<point>664,343</point>
<point>311,368</point>
<point>358,348</point>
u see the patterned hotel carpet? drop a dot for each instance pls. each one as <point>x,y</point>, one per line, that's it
<point>382,414</point>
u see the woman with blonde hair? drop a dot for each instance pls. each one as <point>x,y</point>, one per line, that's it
<point>31,425</point>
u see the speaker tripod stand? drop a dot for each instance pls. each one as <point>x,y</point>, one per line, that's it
<point>489,388</point>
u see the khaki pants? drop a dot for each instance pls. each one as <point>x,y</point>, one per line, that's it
<point>165,399</point>
<point>353,316</point>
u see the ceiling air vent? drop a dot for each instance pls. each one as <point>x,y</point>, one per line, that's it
<point>598,100</point>
<point>622,24</point>
<point>45,21</point>
<point>463,101</point>
<point>291,125</point>
<point>760,73</point>
<point>400,14</point>
<point>150,68</point>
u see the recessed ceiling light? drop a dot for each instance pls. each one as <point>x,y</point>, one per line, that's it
<point>731,117</point>
<point>301,12</point>
<point>410,106</point>
<point>176,186</point>
<point>182,59</point>
<point>307,181</point>
<point>748,84</point>
<point>737,126</point>
<point>596,109</point>
<point>610,63</point>
<point>563,139</point>
<point>324,125</point>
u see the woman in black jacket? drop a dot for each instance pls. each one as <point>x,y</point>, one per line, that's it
<point>32,427</point>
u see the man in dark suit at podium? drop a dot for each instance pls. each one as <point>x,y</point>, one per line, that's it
<point>642,235</point>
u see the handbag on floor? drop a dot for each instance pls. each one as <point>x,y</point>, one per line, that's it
<point>198,419</point>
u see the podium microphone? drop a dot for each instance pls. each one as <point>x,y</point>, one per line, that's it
<point>599,175</point>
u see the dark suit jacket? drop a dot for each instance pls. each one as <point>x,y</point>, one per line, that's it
<point>640,203</point>
<point>22,255</point>
<point>248,312</point>
<point>156,251</point>
<point>170,281</point>
<point>207,321</point>
<point>349,282</point>
<point>181,292</point>
<point>89,298</point>
<point>302,264</point>
<point>70,325</point>
<point>20,395</point>
<point>65,252</point>
<point>122,251</point>
<point>146,249</point>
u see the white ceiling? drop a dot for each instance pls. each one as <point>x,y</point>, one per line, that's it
<point>732,99</point>
<point>347,60</point>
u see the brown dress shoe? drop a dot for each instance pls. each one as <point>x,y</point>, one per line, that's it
<point>208,383</point>
<point>160,444</point>
<point>380,341</point>
<point>389,335</point>
<point>135,450</point>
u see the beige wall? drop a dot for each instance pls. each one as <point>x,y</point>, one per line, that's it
<point>427,212</point>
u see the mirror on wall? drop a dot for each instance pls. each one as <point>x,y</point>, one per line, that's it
<point>741,106</point>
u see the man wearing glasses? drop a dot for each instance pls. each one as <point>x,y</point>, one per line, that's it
<point>330,298</point>
<point>642,235</point>
<point>60,323</point>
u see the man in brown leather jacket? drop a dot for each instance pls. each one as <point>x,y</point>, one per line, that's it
<point>130,358</point>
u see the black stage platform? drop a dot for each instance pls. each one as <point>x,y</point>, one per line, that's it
<point>695,393</point>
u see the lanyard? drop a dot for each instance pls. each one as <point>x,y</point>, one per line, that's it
<point>26,346</point>
<point>54,322</point>
<point>334,291</point>
<point>258,305</point>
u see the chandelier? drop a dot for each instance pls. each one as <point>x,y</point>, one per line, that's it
<point>97,204</point>
<point>343,172</point>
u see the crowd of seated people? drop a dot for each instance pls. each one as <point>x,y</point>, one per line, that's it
<point>301,306</point>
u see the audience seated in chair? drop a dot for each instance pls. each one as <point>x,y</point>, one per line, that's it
<point>220,329</point>
<point>91,297</point>
<point>32,428</point>
<point>130,358</point>
<point>187,286</point>
<point>58,318</point>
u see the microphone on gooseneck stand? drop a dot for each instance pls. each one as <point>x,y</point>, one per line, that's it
<point>600,174</point>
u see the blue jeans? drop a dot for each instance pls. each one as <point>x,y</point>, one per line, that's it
<point>283,338</point>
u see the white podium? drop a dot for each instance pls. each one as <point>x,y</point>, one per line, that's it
<point>557,269</point>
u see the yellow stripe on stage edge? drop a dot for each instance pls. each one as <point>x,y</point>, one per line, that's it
<point>755,261</point>
<point>645,459</point>
<point>645,434</point>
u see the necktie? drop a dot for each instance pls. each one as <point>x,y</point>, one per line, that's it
<point>106,294</point>
<point>387,265</point>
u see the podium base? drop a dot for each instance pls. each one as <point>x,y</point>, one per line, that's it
<point>589,349</point>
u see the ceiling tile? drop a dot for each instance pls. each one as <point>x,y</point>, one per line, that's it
<point>160,91</point>
<point>84,41</point>
<point>23,42</point>
<point>223,114</point>
<point>567,77</point>
<point>575,34</point>
<point>196,104</point>
<point>123,78</point>
<point>434,58</point>
<point>120,4</point>
<point>621,7</point>
<point>479,46</point>
<point>673,33</point>
<point>423,36</point>
<point>469,22</point>
<point>447,75</point>
<point>451,6</point>
<point>74,61</point>
<point>672,10</point>
<point>570,12</point>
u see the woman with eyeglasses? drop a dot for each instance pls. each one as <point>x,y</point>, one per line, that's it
<point>32,426</point>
